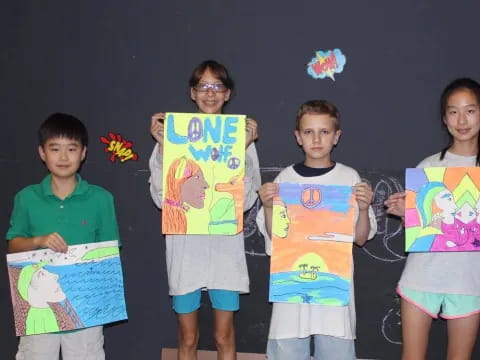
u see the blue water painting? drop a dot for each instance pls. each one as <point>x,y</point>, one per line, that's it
<point>309,288</point>
<point>95,290</point>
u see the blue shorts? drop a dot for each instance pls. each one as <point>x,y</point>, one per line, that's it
<point>226,300</point>
<point>326,347</point>
<point>452,306</point>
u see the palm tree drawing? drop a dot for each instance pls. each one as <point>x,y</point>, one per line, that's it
<point>303,267</point>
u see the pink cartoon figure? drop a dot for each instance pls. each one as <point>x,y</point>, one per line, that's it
<point>459,228</point>
<point>475,228</point>
<point>437,209</point>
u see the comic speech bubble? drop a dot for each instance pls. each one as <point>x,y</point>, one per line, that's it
<point>326,64</point>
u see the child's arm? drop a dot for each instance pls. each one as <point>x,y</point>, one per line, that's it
<point>267,192</point>
<point>19,234</point>
<point>52,241</point>
<point>252,132</point>
<point>396,204</point>
<point>252,179</point>
<point>363,194</point>
<point>156,160</point>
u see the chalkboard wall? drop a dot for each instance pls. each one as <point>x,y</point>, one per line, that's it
<point>114,63</point>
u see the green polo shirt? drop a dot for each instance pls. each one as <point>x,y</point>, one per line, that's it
<point>87,215</point>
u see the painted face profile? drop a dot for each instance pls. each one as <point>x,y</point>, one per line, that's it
<point>445,202</point>
<point>466,213</point>
<point>281,223</point>
<point>46,286</point>
<point>477,210</point>
<point>193,190</point>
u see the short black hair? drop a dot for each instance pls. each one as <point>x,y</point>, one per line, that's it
<point>62,125</point>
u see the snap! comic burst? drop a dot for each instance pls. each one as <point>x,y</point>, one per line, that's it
<point>119,148</point>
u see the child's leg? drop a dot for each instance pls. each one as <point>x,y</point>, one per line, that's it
<point>188,335</point>
<point>86,344</point>
<point>224,333</point>
<point>288,349</point>
<point>331,347</point>
<point>186,306</point>
<point>224,303</point>
<point>462,334</point>
<point>462,314</point>
<point>415,331</point>
<point>39,347</point>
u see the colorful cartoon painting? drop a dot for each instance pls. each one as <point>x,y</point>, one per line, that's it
<point>54,291</point>
<point>442,209</point>
<point>203,171</point>
<point>312,237</point>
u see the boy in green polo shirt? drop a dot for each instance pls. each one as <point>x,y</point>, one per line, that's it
<point>62,210</point>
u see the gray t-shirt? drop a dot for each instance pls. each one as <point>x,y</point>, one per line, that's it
<point>444,272</point>
<point>207,261</point>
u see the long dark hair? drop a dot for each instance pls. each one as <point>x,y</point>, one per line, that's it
<point>455,85</point>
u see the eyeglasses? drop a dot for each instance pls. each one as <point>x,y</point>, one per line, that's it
<point>203,87</point>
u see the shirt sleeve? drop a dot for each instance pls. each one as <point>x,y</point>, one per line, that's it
<point>156,172</point>
<point>373,223</point>
<point>108,227</point>
<point>261,223</point>
<point>19,225</point>
<point>252,180</point>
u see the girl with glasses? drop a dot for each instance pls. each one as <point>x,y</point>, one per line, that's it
<point>215,263</point>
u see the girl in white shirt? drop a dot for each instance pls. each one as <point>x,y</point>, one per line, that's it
<point>444,283</point>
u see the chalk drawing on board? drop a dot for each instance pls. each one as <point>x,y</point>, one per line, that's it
<point>388,227</point>
<point>254,242</point>
<point>392,325</point>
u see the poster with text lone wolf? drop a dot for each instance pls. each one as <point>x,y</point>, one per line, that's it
<point>54,291</point>
<point>312,237</point>
<point>203,172</point>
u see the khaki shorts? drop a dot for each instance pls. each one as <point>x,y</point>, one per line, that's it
<point>86,344</point>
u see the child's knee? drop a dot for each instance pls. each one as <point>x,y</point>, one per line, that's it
<point>225,337</point>
<point>188,338</point>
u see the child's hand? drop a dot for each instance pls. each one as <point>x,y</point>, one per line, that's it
<point>53,241</point>
<point>267,192</point>
<point>252,132</point>
<point>156,129</point>
<point>396,204</point>
<point>363,194</point>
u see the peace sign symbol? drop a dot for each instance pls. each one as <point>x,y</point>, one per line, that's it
<point>214,154</point>
<point>233,163</point>
<point>195,130</point>
<point>311,197</point>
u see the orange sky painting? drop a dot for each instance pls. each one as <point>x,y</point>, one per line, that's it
<point>304,222</point>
